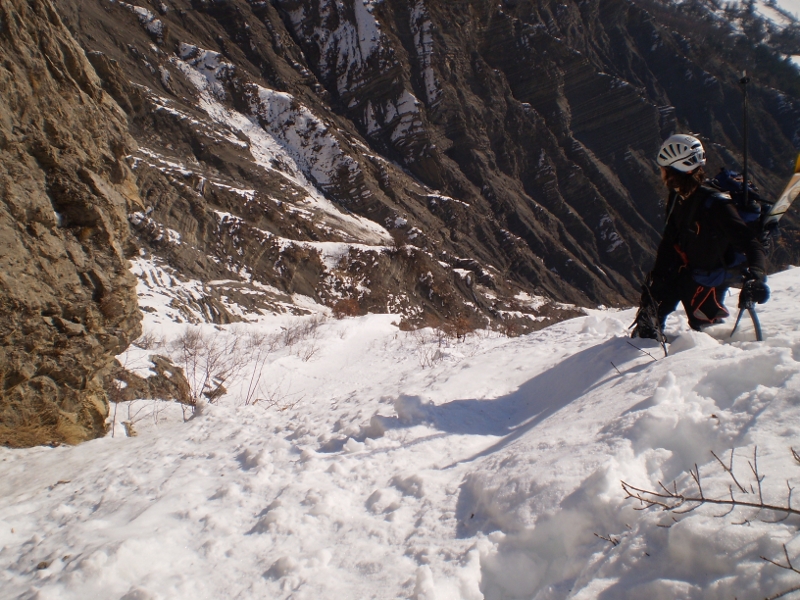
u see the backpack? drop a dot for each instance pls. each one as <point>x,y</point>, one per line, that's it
<point>752,210</point>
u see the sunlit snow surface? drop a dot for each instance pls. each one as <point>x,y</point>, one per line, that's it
<point>396,465</point>
<point>790,6</point>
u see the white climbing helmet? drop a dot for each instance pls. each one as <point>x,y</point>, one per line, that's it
<point>682,152</point>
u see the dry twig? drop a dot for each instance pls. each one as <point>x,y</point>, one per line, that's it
<point>789,567</point>
<point>684,502</point>
<point>642,350</point>
<point>609,539</point>
<point>729,471</point>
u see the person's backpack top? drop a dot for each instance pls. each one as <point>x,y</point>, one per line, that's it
<point>750,209</point>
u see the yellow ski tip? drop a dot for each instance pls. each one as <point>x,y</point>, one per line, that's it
<point>797,164</point>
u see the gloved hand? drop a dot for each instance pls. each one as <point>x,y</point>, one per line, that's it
<point>754,289</point>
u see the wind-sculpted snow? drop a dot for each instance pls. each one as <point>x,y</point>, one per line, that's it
<point>347,459</point>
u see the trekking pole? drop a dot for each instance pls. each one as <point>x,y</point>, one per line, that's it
<point>750,307</point>
<point>744,81</point>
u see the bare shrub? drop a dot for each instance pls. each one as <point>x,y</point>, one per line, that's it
<point>259,346</point>
<point>259,340</point>
<point>739,496</point>
<point>346,307</point>
<point>137,411</point>
<point>208,360</point>
<point>114,391</point>
<point>687,501</point>
<point>430,357</point>
<point>301,331</point>
<point>149,340</point>
<point>458,327</point>
<point>443,335</point>
<point>462,326</point>
<point>510,328</point>
<point>306,330</point>
<point>275,396</point>
<point>308,351</point>
<point>428,346</point>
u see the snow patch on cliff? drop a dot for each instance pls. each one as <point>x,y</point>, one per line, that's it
<point>148,20</point>
<point>303,136</point>
<point>348,35</point>
<point>421,28</point>
<point>285,137</point>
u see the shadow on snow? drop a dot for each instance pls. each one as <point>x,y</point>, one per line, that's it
<point>512,416</point>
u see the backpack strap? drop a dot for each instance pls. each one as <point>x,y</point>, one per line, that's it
<point>714,195</point>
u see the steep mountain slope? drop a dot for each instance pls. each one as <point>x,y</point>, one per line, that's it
<point>501,148</point>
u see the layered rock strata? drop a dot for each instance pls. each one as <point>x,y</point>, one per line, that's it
<point>438,159</point>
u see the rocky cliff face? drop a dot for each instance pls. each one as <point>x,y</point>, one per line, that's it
<point>471,162</point>
<point>67,297</point>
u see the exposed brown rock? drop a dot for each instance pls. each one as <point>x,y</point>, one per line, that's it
<point>67,299</point>
<point>518,136</point>
<point>167,383</point>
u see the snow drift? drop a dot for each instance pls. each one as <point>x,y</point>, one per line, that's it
<point>349,459</point>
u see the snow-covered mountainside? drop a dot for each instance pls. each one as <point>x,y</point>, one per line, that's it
<point>349,459</point>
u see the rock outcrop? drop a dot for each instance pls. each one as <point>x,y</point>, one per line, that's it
<point>67,297</point>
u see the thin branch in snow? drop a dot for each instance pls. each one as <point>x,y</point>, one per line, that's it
<point>684,502</point>
<point>733,506</point>
<point>759,478</point>
<point>789,567</point>
<point>788,503</point>
<point>729,470</point>
<point>609,539</point>
<point>672,501</point>
<point>642,350</point>
<point>786,593</point>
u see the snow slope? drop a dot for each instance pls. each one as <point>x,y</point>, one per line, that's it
<point>383,464</point>
<point>790,6</point>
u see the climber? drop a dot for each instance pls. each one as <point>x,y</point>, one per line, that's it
<point>706,246</point>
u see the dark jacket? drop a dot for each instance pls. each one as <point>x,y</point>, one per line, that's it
<point>705,232</point>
